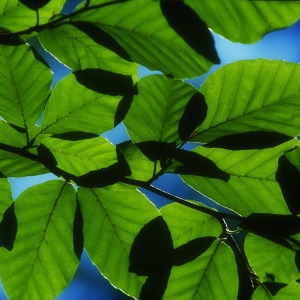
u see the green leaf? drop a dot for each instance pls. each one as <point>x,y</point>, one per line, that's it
<point>15,16</point>
<point>144,33</point>
<point>24,85</point>
<point>252,186</point>
<point>246,21</point>
<point>83,156</point>
<point>6,196</point>
<point>272,262</point>
<point>113,216</point>
<point>213,275</point>
<point>42,261</point>
<point>82,45</point>
<point>69,105</point>
<point>10,136</point>
<point>215,267</point>
<point>251,95</point>
<point>187,224</point>
<point>156,110</point>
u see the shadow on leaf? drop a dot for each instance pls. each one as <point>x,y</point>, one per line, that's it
<point>78,241</point>
<point>18,128</point>
<point>75,136</point>
<point>152,254</point>
<point>34,4</point>
<point>102,38</point>
<point>271,225</point>
<point>195,164</point>
<point>8,228</point>
<point>249,140</point>
<point>288,177</point>
<point>274,287</point>
<point>191,28</point>
<point>194,114</point>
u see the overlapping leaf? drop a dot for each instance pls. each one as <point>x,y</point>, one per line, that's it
<point>15,16</point>
<point>113,216</point>
<point>81,45</point>
<point>6,197</point>
<point>70,104</point>
<point>290,292</point>
<point>42,261</point>
<point>24,83</point>
<point>252,186</point>
<point>251,95</point>
<point>83,156</point>
<point>214,267</point>
<point>246,21</point>
<point>157,109</point>
<point>142,30</point>
<point>272,262</point>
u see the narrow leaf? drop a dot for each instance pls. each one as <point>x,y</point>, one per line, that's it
<point>8,228</point>
<point>78,241</point>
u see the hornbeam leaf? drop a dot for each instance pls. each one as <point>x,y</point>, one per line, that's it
<point>252,187</point>
<point>42,261</point>
<point>15,16</point>
<point>157,108</point>
<point>251,95</point>
<point>24,85</point>
<point>83,156</point>
<point>6,196</point>
<point>69,105</point>
<point>246,21</point>
<point>113,216</point>
<point>145,34</point>
<point>82,45</point>
<point>272,262</point>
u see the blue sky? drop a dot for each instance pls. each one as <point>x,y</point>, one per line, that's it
<point>88,283</point>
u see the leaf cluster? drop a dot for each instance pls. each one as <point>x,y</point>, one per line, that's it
<point>244,121</point>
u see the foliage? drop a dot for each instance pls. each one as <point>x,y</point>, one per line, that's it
<point>245,119</point>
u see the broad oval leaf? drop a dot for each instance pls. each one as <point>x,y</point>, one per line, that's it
<point>82,45</point>
<point>24,85</point>
<point>15,16</point>
<point>272,262</point>
<point>113,216</point>
<point>246,21</point>
<point>71,102</point>
<point>251,95</point>
<point>42,261</point>
<point>149,39</point>
<point>81,157</point>
<point>252,187</point>
<point>155,112</point>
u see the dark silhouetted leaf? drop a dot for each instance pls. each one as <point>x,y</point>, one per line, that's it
<point>78,241</point>
<point>105,82</point>
<point>271,225</point>
<point>274,287</point>
<point>151,255</point>
<point>152,249</point>
<point>191,28</point>
<point>124,105</point>
<point>46,158</point>
<point>8,40</point>
<point>193,115</point>
<point>105,176</point>
<point>191,250</point>
<point>18,128</point>
<point>75,136</point>
<point>249,140</point>
<point>288,177</point>
<point>155,151</point>
<point>34,4</point>
<point>195,164</point>
<point>101,37</point>
<point>8,228</point>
